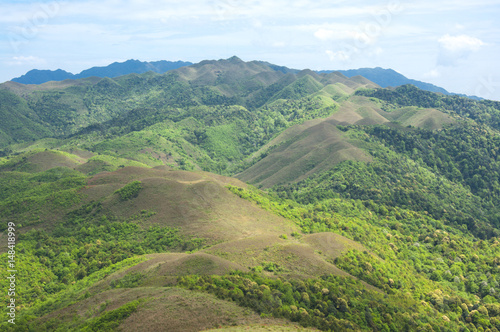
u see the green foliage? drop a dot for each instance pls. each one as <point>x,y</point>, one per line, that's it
<point>129,191</point>
<point>464,153</point>
<point>483,112</point>
<point>68,295</point>
<point>110,320</point>
<point>19,123</point>
<point>412,178</point>
<point>27,197</point>
<point>411,254</point>
<point>424,212</point>
<point>329,303</point>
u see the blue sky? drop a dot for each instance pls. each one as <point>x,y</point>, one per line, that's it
<point>453,44</point>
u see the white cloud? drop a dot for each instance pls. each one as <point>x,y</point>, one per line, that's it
<point>338,55</point>
<point>358,35</point>
<point>325,34</point>
<point>26,60</point>
<point>376,51</point>
<point>432,74</point>
<point>461,43</point>
<point>456,48</point>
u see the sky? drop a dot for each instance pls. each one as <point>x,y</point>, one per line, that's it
<point>452,44</point>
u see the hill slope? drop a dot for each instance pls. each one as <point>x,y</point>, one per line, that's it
<point>227,226</point>
<point>380,209</point>
<point>318,145</point>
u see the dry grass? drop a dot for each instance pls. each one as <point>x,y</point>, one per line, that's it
<point>165,309</point>
<point>182,310</point>
<point>196,202</point>
<point>311,256</point>
<point>163,269</point>
<point>314,147</point>
<point>264,328</point>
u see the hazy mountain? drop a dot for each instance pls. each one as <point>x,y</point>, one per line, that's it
<point>115,69</point>
<point>390,78</point>
<point>37,76</point>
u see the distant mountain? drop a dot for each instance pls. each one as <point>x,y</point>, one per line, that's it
<point>115,69</point>
<point>37,76</point>
<point>132,66</point>
<point>390,78</point>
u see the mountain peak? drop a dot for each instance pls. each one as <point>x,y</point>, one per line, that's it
<point>235,59</point>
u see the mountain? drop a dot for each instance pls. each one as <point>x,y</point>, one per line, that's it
<point>383,77</point>
<point>390,78</point>
<point>231,195</point>
<point>132,66</point>
<point>36,76</point>
<point>115,69</point>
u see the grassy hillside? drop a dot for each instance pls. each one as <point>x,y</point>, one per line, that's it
<point>318,145</point>
<point>101,262</point>
<point>128,198</point>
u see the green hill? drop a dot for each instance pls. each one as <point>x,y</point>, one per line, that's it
<point>133,203</point>
<point>318,145</point>
<point>19,123</point>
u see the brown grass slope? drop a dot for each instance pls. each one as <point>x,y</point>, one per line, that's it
<point>317,145</point>
<point>313,150</point>
<point>241,234</point>
<point>196,202</point>
<point>164,309</point>
<point>242,237</point>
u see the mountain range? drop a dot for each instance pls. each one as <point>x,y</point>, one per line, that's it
<point>115,69</point>
<point>229,196</point>
<point>383,77</point>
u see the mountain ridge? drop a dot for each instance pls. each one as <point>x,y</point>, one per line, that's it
<point>387,78</point>
<point>383,77</point>
<point>115,69</point>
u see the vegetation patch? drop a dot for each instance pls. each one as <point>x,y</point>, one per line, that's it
<point>129,191</point>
